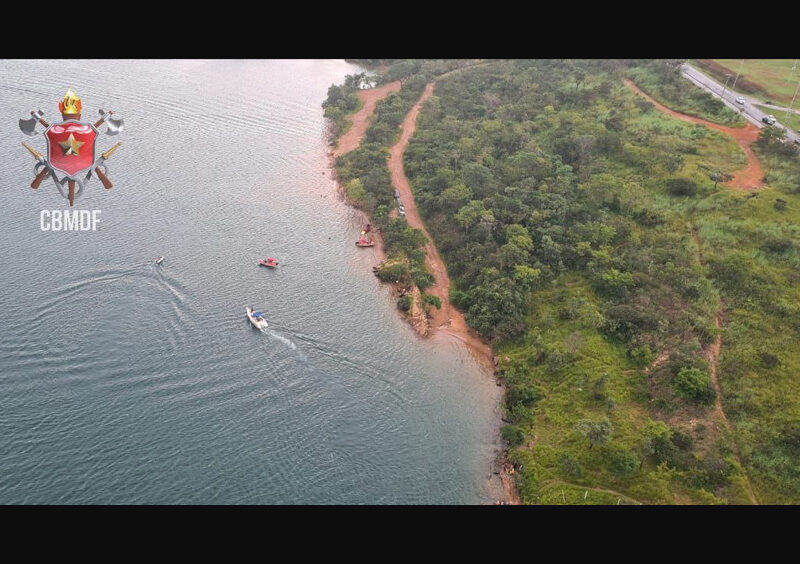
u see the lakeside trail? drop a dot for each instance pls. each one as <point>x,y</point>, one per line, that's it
<point>351,138</point>
<point>749,178</point>
<point>712,354</point>
<point>447,319</point>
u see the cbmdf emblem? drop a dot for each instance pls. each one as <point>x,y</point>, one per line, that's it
<point>71,147</point>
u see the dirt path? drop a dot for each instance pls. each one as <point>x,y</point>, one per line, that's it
<point>599,490</point>
<point>750,177</point>
<point>712,354</point>
<point>351,139</point>
<point>447,319</point>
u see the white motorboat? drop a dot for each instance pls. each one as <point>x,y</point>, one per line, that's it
<point>256,318</point>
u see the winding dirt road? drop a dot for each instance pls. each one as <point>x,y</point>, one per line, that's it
<point>447,319</point>
<point>749,178</point>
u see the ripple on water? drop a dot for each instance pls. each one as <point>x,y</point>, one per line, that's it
<point>126,382</point>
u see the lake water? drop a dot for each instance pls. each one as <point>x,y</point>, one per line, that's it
<point>126,382</point>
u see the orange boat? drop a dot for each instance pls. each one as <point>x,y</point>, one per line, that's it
<point>364,242</point>
<point>270,262</point>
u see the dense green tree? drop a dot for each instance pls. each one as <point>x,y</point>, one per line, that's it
<point>658,441</point>
<point>595,432</point>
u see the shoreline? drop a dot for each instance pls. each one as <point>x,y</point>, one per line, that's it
<point>446,322</point>
<point>447,319</point>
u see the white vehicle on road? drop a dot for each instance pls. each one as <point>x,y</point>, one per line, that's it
<point>740,100</point>
<point>769,120</point>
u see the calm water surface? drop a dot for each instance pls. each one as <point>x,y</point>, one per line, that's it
<point>125,382</point>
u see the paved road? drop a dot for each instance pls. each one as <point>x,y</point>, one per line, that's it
<point>749,111</point>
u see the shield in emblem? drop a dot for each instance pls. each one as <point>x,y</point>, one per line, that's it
<point>71,146</point>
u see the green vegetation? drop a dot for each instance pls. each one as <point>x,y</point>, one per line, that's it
<point>341,102</point>
<point>586,239</point>
<point>769,79</point>
<point>694,384</point>
<point>568,211</point>
<point>363,172</point>
<point>662,80</point>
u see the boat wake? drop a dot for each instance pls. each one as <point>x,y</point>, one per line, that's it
<point>288,342</point>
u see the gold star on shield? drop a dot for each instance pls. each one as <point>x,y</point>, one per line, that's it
<point>71,145</point>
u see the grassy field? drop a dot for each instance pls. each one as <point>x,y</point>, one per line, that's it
<point>563,468</point>
<point>774,76</point>
<point>790,120</point>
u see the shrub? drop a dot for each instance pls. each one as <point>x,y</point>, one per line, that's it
<point>624,321</point>
<point>642,356</point>
<point>681,187</point>
<point>659,441</point>
<point>778,244</point>
<point>686,356</point>
<point>423,279</point>
<point>432,300</point>
<point>405,301</point>
<point>622,462</point>
<point>393,271</point>
<point>355,192</point>
<point>525,394</point>
<point>570,466</point>
<point>693,384</point>
<point>615,283</point>
<point>513,435</point>
<point>599,388</point>
<point>769,360</point>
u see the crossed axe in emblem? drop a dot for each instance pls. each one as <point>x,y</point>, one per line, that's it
<point>28,127</point>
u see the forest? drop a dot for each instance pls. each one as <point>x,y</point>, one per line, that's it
<point>588,240</point>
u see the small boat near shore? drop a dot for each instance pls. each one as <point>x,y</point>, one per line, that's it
<point>270,262</point>
<point>256,318</point>
<point>364,242</point>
